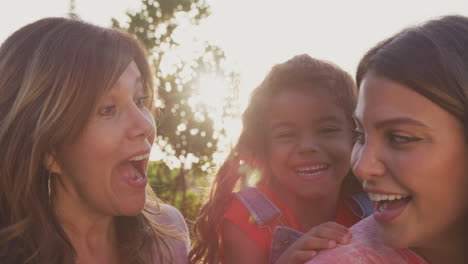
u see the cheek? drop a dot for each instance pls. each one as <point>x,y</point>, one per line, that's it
<point>93,150</point>
<point>150,119</point>
<point>279,149</point>
<point>355,156</point>
<point>341,149</point>
<point>277,155</point>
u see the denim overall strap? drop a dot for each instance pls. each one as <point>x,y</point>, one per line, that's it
<point>283,237</point>
<point>258,205</point>
<point>365,205</point>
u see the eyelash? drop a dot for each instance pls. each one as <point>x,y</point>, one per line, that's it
<point>109,110</point>
<point>398,139</point>
<point>327,130</point>
<point>359,137</point>
<point>284,135</point>
<point>141,100</point>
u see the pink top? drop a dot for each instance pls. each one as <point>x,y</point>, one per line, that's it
<point>366,248</point>
<point>174,223</point>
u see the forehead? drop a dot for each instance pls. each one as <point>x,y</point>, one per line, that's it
<point>130,76</point>
<point>382,99</point>
<point>304,106</point>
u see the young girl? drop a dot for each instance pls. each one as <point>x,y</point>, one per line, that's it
<point>297,137</point>
<point>412,148</point>
<point>76,130</point>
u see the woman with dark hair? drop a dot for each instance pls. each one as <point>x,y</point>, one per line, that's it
<point>296,142</point>
<point>76,129</point>
<point>411,148</point>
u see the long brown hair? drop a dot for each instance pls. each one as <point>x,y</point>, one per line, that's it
<point>53,74</point>
<point>430,58</point>
<point>301,72</point>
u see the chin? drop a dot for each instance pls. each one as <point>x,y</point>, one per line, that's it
<point>132,207</point>
<point>392,239</point>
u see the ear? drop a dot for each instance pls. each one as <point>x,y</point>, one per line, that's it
<point>51,164</point>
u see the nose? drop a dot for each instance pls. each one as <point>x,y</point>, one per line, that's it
<point>307,143</point>
<point>366,161</point>
<point>142,124</point>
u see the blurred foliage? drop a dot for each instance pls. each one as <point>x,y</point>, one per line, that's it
<point>187,134</point>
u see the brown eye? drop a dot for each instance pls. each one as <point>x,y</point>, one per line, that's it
<point>327,130</point>
<point>399,139</point>
<point>142,101</point>
<point>107,110</point>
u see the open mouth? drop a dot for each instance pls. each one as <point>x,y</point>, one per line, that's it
<point>311,171</point>
<point>388,206</point>
<point>133,170</point>
<point>139,166</point>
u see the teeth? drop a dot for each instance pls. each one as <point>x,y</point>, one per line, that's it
<point>312,168</point>
<point>141,157</point>
<point>384,197</point>
<point>383,207</point>
<point>138,175</point>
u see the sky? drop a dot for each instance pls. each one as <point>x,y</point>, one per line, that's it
<point>256,34</point>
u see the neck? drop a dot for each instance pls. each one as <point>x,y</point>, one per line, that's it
<point>92,235</point>
<point>310,211</point>
<point>449,250</point>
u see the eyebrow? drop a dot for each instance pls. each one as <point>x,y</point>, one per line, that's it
<point>330,118</point>
<point>280,124</point>
<point>395,121</point>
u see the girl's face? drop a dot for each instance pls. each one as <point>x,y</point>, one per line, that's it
<point>411,156</point>
<point>103,171</point>
<point>309,143</point>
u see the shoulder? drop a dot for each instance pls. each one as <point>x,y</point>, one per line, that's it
<point>239,221</point>
<point>167,217</point>
<point>236,211</point>
<point>248,202</point>
<point>165,214</point>
<point>365,248</point>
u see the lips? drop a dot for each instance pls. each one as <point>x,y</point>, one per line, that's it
<point>311,171</point>
<point>133,170</point>
<point>388,206</point>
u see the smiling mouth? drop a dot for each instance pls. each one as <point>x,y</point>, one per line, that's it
<point>388,206</point>
<point>311,171</point>
<point>383,202</point>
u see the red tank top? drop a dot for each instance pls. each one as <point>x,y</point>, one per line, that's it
<point>238,214</point>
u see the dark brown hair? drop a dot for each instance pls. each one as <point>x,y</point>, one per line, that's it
<point>53,74</point>
<point>301,72</point>
<point>431,59</point>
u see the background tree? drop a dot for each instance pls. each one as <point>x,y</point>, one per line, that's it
<point>189,131</point>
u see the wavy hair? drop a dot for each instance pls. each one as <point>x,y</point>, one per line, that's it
<point>302,72</point>
<point>54,73</point>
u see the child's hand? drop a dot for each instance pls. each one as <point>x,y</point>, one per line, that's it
<point>323,236</point>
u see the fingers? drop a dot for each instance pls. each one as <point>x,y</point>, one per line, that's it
<point>300,257</point>
<point>316,243</point>
<point>333,234</point>
<point>331,225</point>
<point>326,236</point>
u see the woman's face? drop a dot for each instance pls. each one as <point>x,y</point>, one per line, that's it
<point>309,144</point>
<point>103,171</point>
<point>411,156</point>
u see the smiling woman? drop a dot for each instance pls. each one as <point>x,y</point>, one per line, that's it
<point>76,132</point>
<point>411,148</point>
